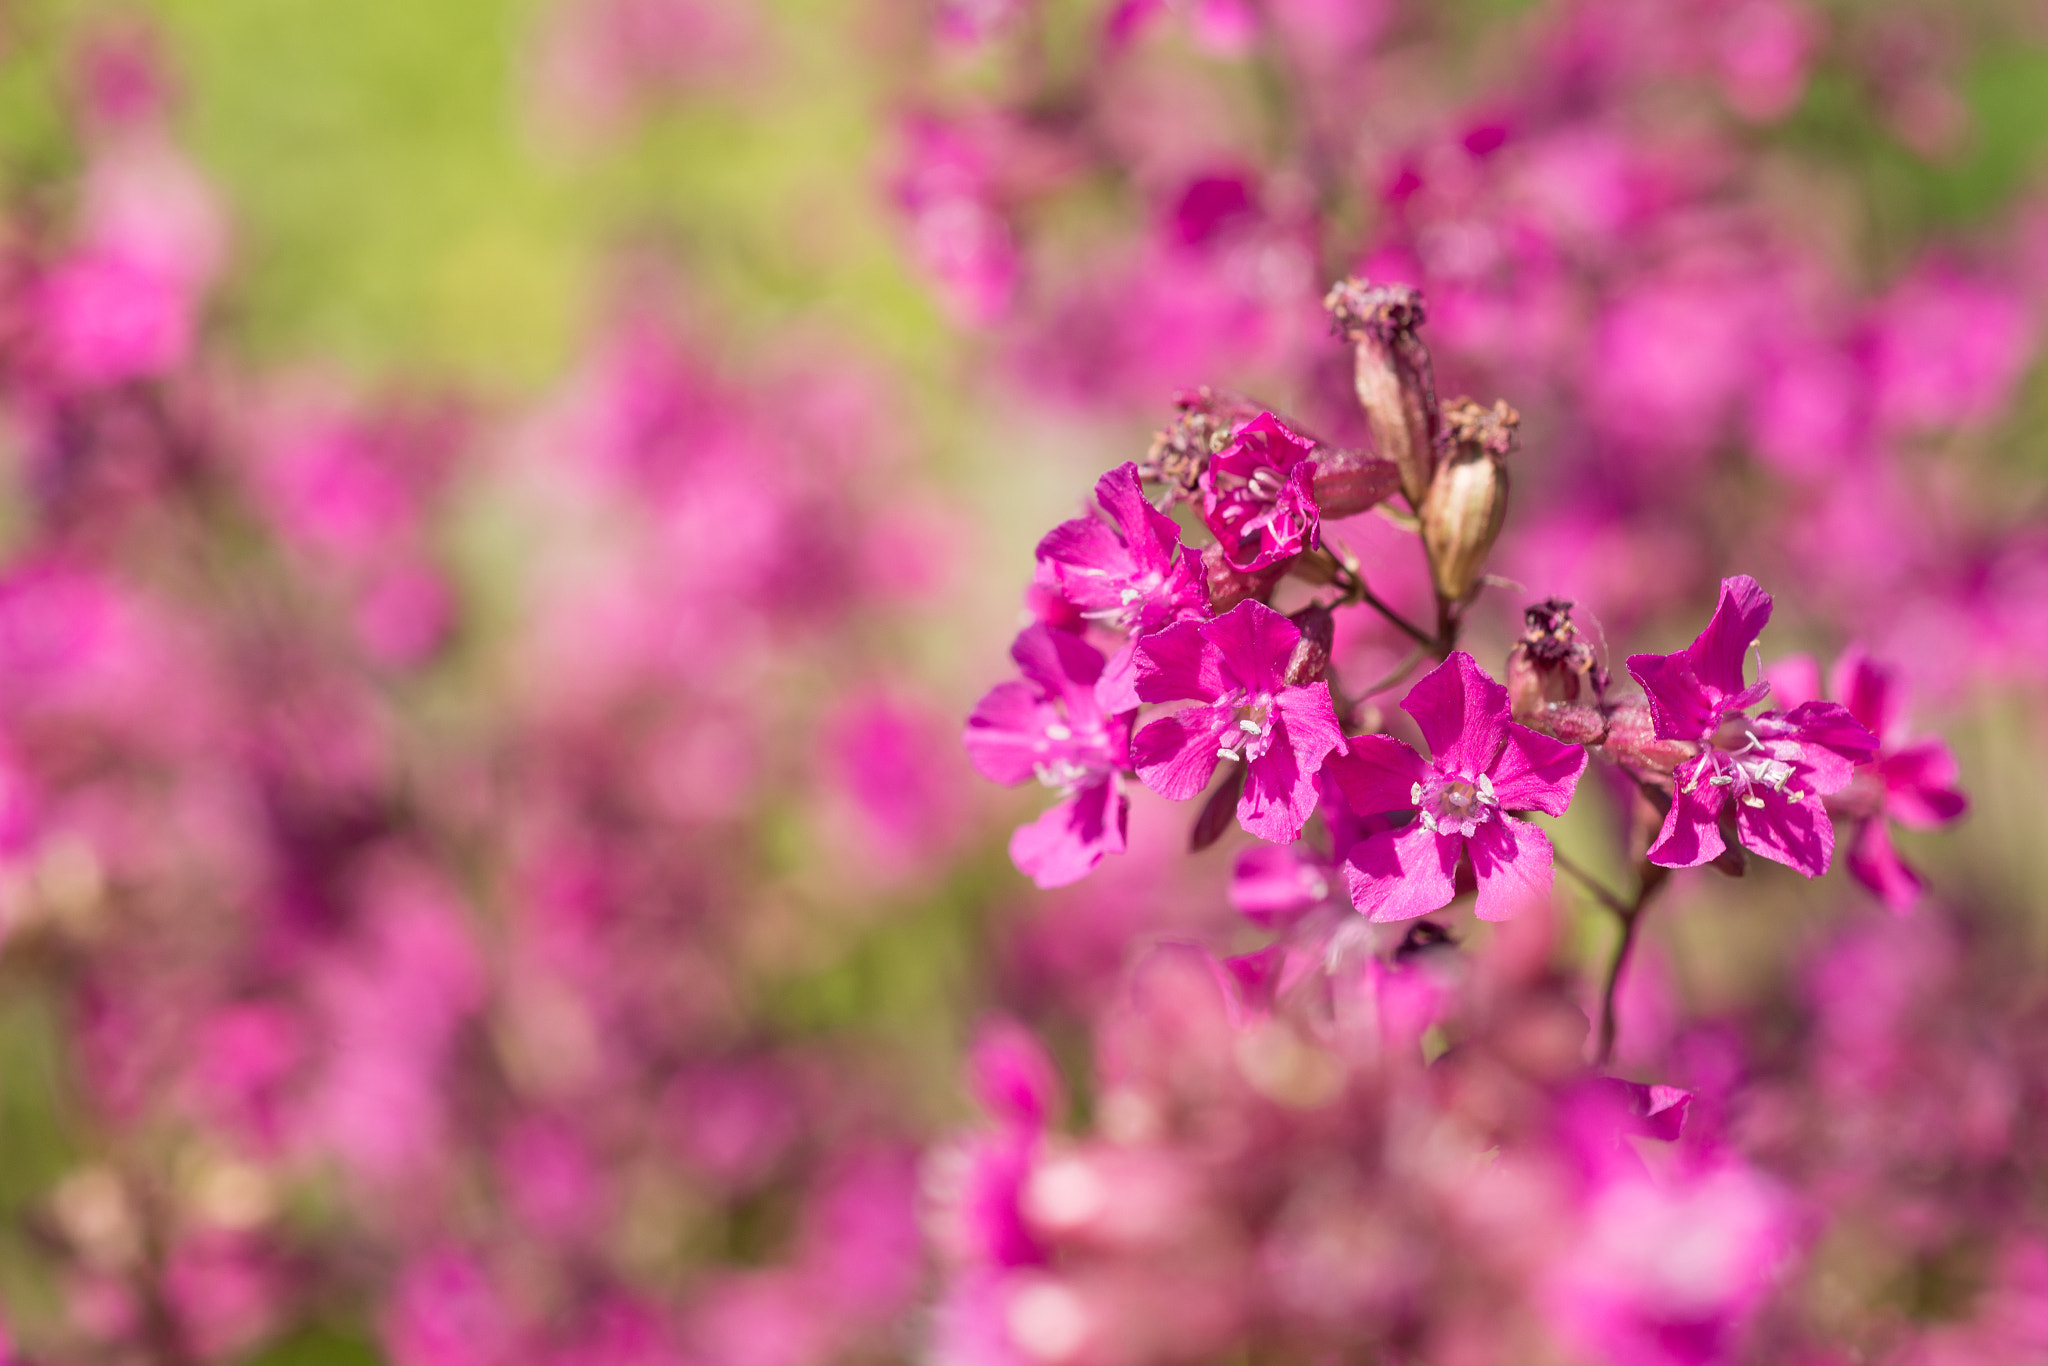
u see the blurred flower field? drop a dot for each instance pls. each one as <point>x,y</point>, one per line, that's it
<point>1501,545</point>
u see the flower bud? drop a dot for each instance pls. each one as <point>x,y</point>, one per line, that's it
<point>1468,497</point>
<point>1311,657</point>
<point>1350,482</point>
<point>1393,376</point>
<point>1229,585</point>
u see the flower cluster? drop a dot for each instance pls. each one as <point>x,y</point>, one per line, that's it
<point>1270,1166</point>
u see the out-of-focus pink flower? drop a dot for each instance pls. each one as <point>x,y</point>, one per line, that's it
<point>226,1293</point>
<point>1911,781</point>
<point>1235,667</point>
<point>1765,49</point>
<point>1258,495</point>
<point>973,22</point>
<point>1775,766</point>
<point>886,753</point>
<point>1667,1274</point>
<point>734,1122</point>
<point>1049,725</point>
<point>1013,1077</point>
<point>1484,767</point>
<point>445,1310</point>
<point>600,61</point>
<point>552,1178</point>
<point>946,189</point>
<point>107,317</point>
<point>1947,347</point>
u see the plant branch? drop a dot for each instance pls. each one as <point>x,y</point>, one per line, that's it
<point>1608,898</point>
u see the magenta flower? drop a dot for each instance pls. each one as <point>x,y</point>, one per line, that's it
<point>1775,765</point>
<point>1235,667</point>
<point>1049,726</point>
<point>1131,573</point>
<point>1485,766</point>
<point>1258,495</point>
<point>1910,781</point>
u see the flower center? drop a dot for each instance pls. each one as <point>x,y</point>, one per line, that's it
<point>1743,769</point>
<point>1455,803</point>
<point>1132,600</point>
<point>1069,755</point>
<point>1250,730</point>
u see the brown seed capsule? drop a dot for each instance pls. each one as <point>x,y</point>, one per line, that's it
<point>1392,373</point>
<point>1552,666</point>
<point>1311,657</point>
<point>1203,420</point>
<point>1229,586</point>
<point>1468,497</point>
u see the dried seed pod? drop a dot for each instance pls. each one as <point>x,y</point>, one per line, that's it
<point>1468,497</point>
<point>1395,381</point>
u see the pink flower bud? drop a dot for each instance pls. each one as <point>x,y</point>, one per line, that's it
<point>1395,382</point>
<point>1468,497</point>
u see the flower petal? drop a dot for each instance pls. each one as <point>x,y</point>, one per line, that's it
<point>1088,561</point>
<point>1273,887</point>
<point>1920,785</point>
<point>1279,790</point>
<point>1152,538</point>
<point>1796,834</point>
<point>1721,652</point>
<point>1066,843</point>
<point>1877,865</point>
<point>1692,833</point>
<point>1401,874</point>
<point>1872,693</point>
<point>1005,734</point>
<point>1062,665</point>
<point>1379,774</point>
<point>1176,754</point>
<point>1116,690</point>
<point>1463,714</point>
<point>1255,642</point>
<point>1679,707</point>
<point>1512,861</point>
<point>1537,773</point>
<point>1179,662</point>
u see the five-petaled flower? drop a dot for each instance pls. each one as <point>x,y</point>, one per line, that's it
<point>1235,667</point>
<point>1484,768</point>
<point>1258,495</point>
<point>1134,576</point>
<point>1769,771</point>
<point>1910,781</point>
<point>1048,725</point>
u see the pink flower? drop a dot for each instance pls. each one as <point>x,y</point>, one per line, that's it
<point>1258,495</point>
<point>1484,767</point>
<point>109,317</point>
<point>1131,573</point>
<point>1049,726</point>
<point>1235,666</point>
<point>958,235</point>
<point>1910,781</point>
<point>1665,1275</point>
<point>446,1311</point>
<point>1775,765</point>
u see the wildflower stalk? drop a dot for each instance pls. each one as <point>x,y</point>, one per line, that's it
<point>1629,912</point>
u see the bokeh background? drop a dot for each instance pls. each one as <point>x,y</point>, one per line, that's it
<point>508,503</point>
